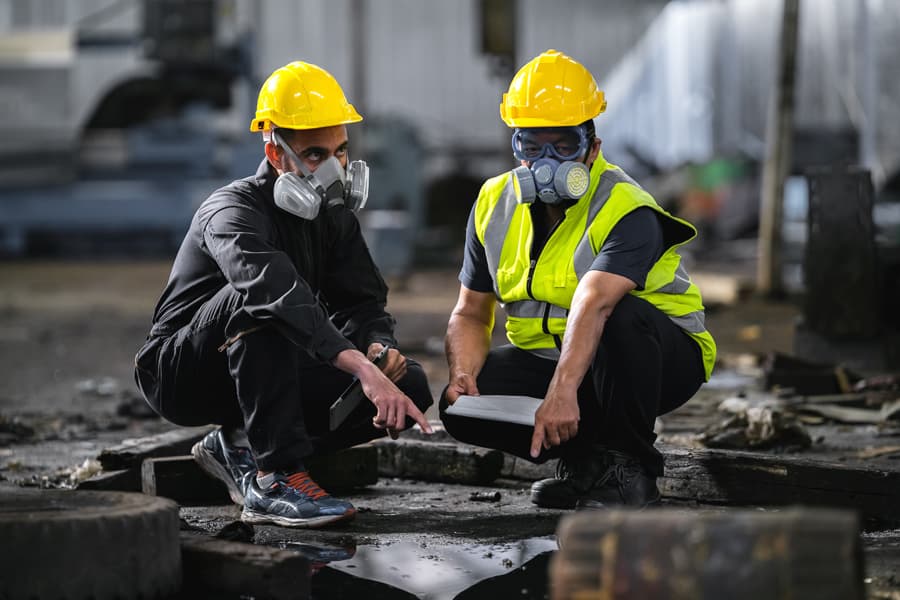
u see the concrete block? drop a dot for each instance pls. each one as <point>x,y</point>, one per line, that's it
<point>214,568</point>
<point>130,453</point>
<point>519,468</point>
<point>181,479</point>
<point>346,469</point>
<point>436,461</point>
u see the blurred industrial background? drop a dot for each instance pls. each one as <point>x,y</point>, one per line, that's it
<point>772,125</point>
<point>119,116</point>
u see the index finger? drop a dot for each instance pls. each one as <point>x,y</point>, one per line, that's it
<point>419,418</point>
<point>537,440</point>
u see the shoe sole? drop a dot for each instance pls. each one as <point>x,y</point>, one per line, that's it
<point>249,515</point>
<point>545,503</point>
<point>212,467</point>
<point>598,506</point>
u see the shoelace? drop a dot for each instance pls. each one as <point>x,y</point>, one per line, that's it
<point>303,483</point>
<point>619,472</point>
<point>563,471</point>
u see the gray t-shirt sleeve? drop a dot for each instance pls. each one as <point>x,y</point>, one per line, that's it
<point>475,274</point>
<point>632,247</point>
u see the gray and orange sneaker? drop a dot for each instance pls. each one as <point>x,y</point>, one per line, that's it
<point>233,465</point>
<point>293,500</point>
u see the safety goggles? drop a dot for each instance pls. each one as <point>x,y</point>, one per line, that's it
<point>561,143</point>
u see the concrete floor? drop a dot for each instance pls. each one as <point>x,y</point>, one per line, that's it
<point>68,332</point>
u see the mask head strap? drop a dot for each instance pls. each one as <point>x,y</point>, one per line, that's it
<point>279,141</point>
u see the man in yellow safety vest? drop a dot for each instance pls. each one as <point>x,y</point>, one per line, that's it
<point>604,323</point>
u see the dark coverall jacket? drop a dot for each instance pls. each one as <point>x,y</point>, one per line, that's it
<point>258,304</point>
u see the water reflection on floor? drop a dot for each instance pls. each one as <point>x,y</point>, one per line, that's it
<point>404,569</point>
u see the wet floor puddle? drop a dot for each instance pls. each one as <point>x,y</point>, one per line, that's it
<point>408,569</point>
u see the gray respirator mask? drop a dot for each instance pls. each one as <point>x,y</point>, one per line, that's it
<point>555,174</point>
<point>551,181</point>
<point>304,194</point>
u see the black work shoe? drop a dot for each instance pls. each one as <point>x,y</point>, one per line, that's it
<point>233,465</point>
<point>625,483</point>
<point>575,476</point>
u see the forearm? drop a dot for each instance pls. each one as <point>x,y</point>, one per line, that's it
<point>584,329</point>
<point>467,344</point>
<point>355,363</point>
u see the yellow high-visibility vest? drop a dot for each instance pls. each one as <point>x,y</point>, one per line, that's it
<point>537,294</point>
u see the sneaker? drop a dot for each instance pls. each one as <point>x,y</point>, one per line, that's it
<point>574,477</point>
<point>233,465</point>
<point>293,500</point>
<point>625,483</point>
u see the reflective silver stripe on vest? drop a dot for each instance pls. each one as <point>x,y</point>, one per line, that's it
<point>679,285</point>
<point>534,309</point>
<point>495,231</point>
<point>694,322</point>
<point>584,254</point>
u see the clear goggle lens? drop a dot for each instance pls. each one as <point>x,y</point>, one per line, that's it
<point>561,143</point>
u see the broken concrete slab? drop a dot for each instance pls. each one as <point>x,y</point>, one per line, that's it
<point>122,480</point>
<point>740,478</point>
<point>438,461</point>
<point>214,567</point>
<point>180,478</point>
<point>728,477</point>
<point>130,453</point>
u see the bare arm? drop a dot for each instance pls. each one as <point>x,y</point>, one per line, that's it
<point>392,404</point>
<point>596,296</point>
<point>468,340</point>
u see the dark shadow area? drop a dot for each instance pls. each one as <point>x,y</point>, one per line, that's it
<point>528,582</point>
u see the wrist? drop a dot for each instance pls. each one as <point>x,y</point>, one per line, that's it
<point>564,386</point>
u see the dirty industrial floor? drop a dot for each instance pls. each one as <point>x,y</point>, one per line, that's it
<point>68,333</point>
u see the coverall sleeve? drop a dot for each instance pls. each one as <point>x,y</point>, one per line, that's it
<point>238,239</point>
<point>353,287</point>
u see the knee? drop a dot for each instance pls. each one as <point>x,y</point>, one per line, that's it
<point>626,319</point>
<point>415,385</point>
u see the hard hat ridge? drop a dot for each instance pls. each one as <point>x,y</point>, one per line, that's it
<point>551,90</point>
<point>301,95</point>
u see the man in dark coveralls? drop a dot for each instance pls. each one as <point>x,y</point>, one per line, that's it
<point>273,306</point>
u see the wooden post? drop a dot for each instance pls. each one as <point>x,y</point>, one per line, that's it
<point>779,129</point>
<point>740,555</point>
<point>840,266</point>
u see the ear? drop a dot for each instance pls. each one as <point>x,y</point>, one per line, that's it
<point>594,152</point>
<point>274,154</point>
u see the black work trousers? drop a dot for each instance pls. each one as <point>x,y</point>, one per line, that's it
<point>645,366</point>
<point>278,392</point>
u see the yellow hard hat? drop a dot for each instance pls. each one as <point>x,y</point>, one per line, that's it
<point>301,95</point>
<point>551,90</point>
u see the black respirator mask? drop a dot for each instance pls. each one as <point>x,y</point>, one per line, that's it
<point>304,194</point>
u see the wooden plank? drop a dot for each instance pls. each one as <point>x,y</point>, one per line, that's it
<point>748,478</point>
<point>843,299</point>
<point>740,555</point>
<point>214,568</point>
<point>435,461</point>
<point>130,453</point>
<point>181,479</point>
